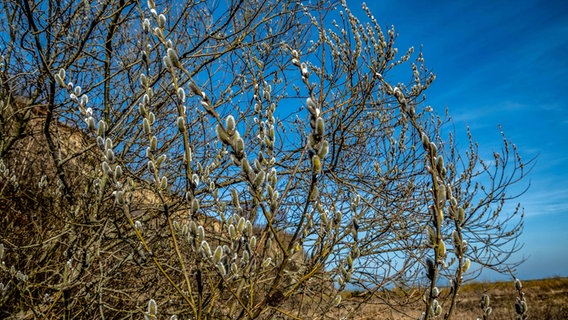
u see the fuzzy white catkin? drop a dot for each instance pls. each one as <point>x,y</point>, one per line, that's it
<point>152,308</point>
<point>161,21</point>
<point>232,232</point>
<point>84,100</point>
<point>205,248</point>
<point>153,143</point>
<point>90,123</point>
<point>151,5</point>
<point>181,94</point>
<point>172,55</point>
<point>160,160</point>
<point>218,254</point>
<point>101,128</point>
<point>108,144</point>
<point>146,25</point>
<point>106,168</point>
<point>200,233</point>
<point>167,62</point>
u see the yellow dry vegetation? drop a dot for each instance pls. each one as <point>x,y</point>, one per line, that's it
<point>546,298</point>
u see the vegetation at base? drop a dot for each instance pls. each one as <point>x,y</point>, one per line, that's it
<point>548,299</point>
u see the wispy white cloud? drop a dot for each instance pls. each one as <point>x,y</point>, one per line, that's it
<point>546,202</point>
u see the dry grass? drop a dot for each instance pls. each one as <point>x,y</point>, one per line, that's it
<point>547,299</point>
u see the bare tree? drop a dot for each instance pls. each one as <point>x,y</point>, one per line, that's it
<point>247,159</point>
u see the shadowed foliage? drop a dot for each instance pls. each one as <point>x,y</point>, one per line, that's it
<point>232,160</point>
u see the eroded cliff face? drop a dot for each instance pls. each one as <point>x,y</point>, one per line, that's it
<point>38,152</point>
<point>74,221</point>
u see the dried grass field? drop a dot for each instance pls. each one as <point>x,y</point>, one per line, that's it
<point>547,299</point>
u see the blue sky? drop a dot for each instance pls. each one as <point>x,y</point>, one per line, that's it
<point>502,63</point>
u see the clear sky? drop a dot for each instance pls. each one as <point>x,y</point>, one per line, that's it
<point>502,62</point>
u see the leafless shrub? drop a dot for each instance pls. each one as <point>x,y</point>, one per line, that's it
<point>213,162</point>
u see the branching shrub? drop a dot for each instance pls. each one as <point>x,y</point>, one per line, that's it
<point>238,160</point>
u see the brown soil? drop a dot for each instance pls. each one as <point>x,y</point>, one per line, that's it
<point>546,299</point>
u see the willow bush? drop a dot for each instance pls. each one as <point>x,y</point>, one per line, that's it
<point>231,160</point>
